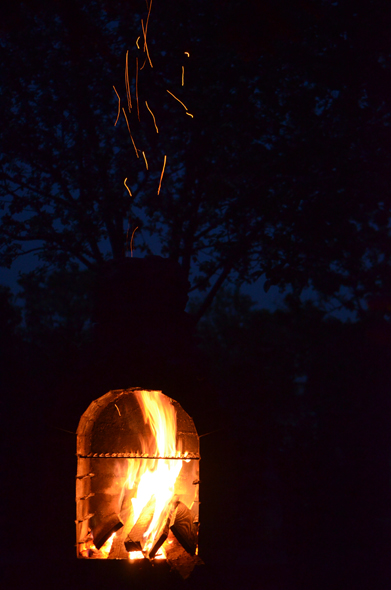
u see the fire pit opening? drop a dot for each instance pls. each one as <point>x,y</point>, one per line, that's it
<point>137,482</point>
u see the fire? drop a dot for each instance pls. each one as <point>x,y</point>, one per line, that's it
<point>88,548</point>
<point>133,555</point>
<point>137,489</point>
<point>156,478</point>
<point>106,547</point>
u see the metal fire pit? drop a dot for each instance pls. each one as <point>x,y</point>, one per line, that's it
<point>109,436</point>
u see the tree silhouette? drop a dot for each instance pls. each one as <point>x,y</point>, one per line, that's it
<point>282,169</point>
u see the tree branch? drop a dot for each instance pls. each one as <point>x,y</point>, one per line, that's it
<point>212,293</point>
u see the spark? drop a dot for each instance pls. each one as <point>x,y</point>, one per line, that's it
<point>127,122</point>
<point>137,45</point>
<point>119,107</point>
<point>153,116</point>
<point>183,75</point>
<point>117,409</point>
<point>145,61</point>
<point>184,106</point>
<point>190,115</point>
<point>161,176</point>
<point>131,242</point>
<point>187,53</point>
<point>145,43</point>
<point>127,188</point>
<point>146,24</point>
<point>145,159</point>
<point>138,110</point>
<point>127,83</point>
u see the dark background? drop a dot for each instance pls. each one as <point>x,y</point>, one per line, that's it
<point>284,177</point>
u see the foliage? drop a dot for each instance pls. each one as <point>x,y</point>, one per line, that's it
<point>58,302</point>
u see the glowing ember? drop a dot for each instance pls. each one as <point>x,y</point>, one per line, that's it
<point>127,123</point>
<point>153,117</point>
<point>161,176</point>
<point>138,110</point>
<point>127,85</point>
<point>133,555</point>
<point>131,241</point>
<point>119,106</point>
<point>127,188</point>
<point>145,160</point>
<point>145,43</point>
<point>184,106</point>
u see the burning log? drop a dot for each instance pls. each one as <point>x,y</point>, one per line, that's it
<point>184,528</point>
<point>135,541</point>
<point>105,529</point>
<point>161,537</point>
<point>164,528</point>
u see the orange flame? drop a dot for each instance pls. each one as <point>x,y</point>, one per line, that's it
<point>155,478</point>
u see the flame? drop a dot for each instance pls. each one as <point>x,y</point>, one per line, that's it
<point>88,549</point>
<point>106,547</point>
<point>156,477</point>
<point>133,555</point>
